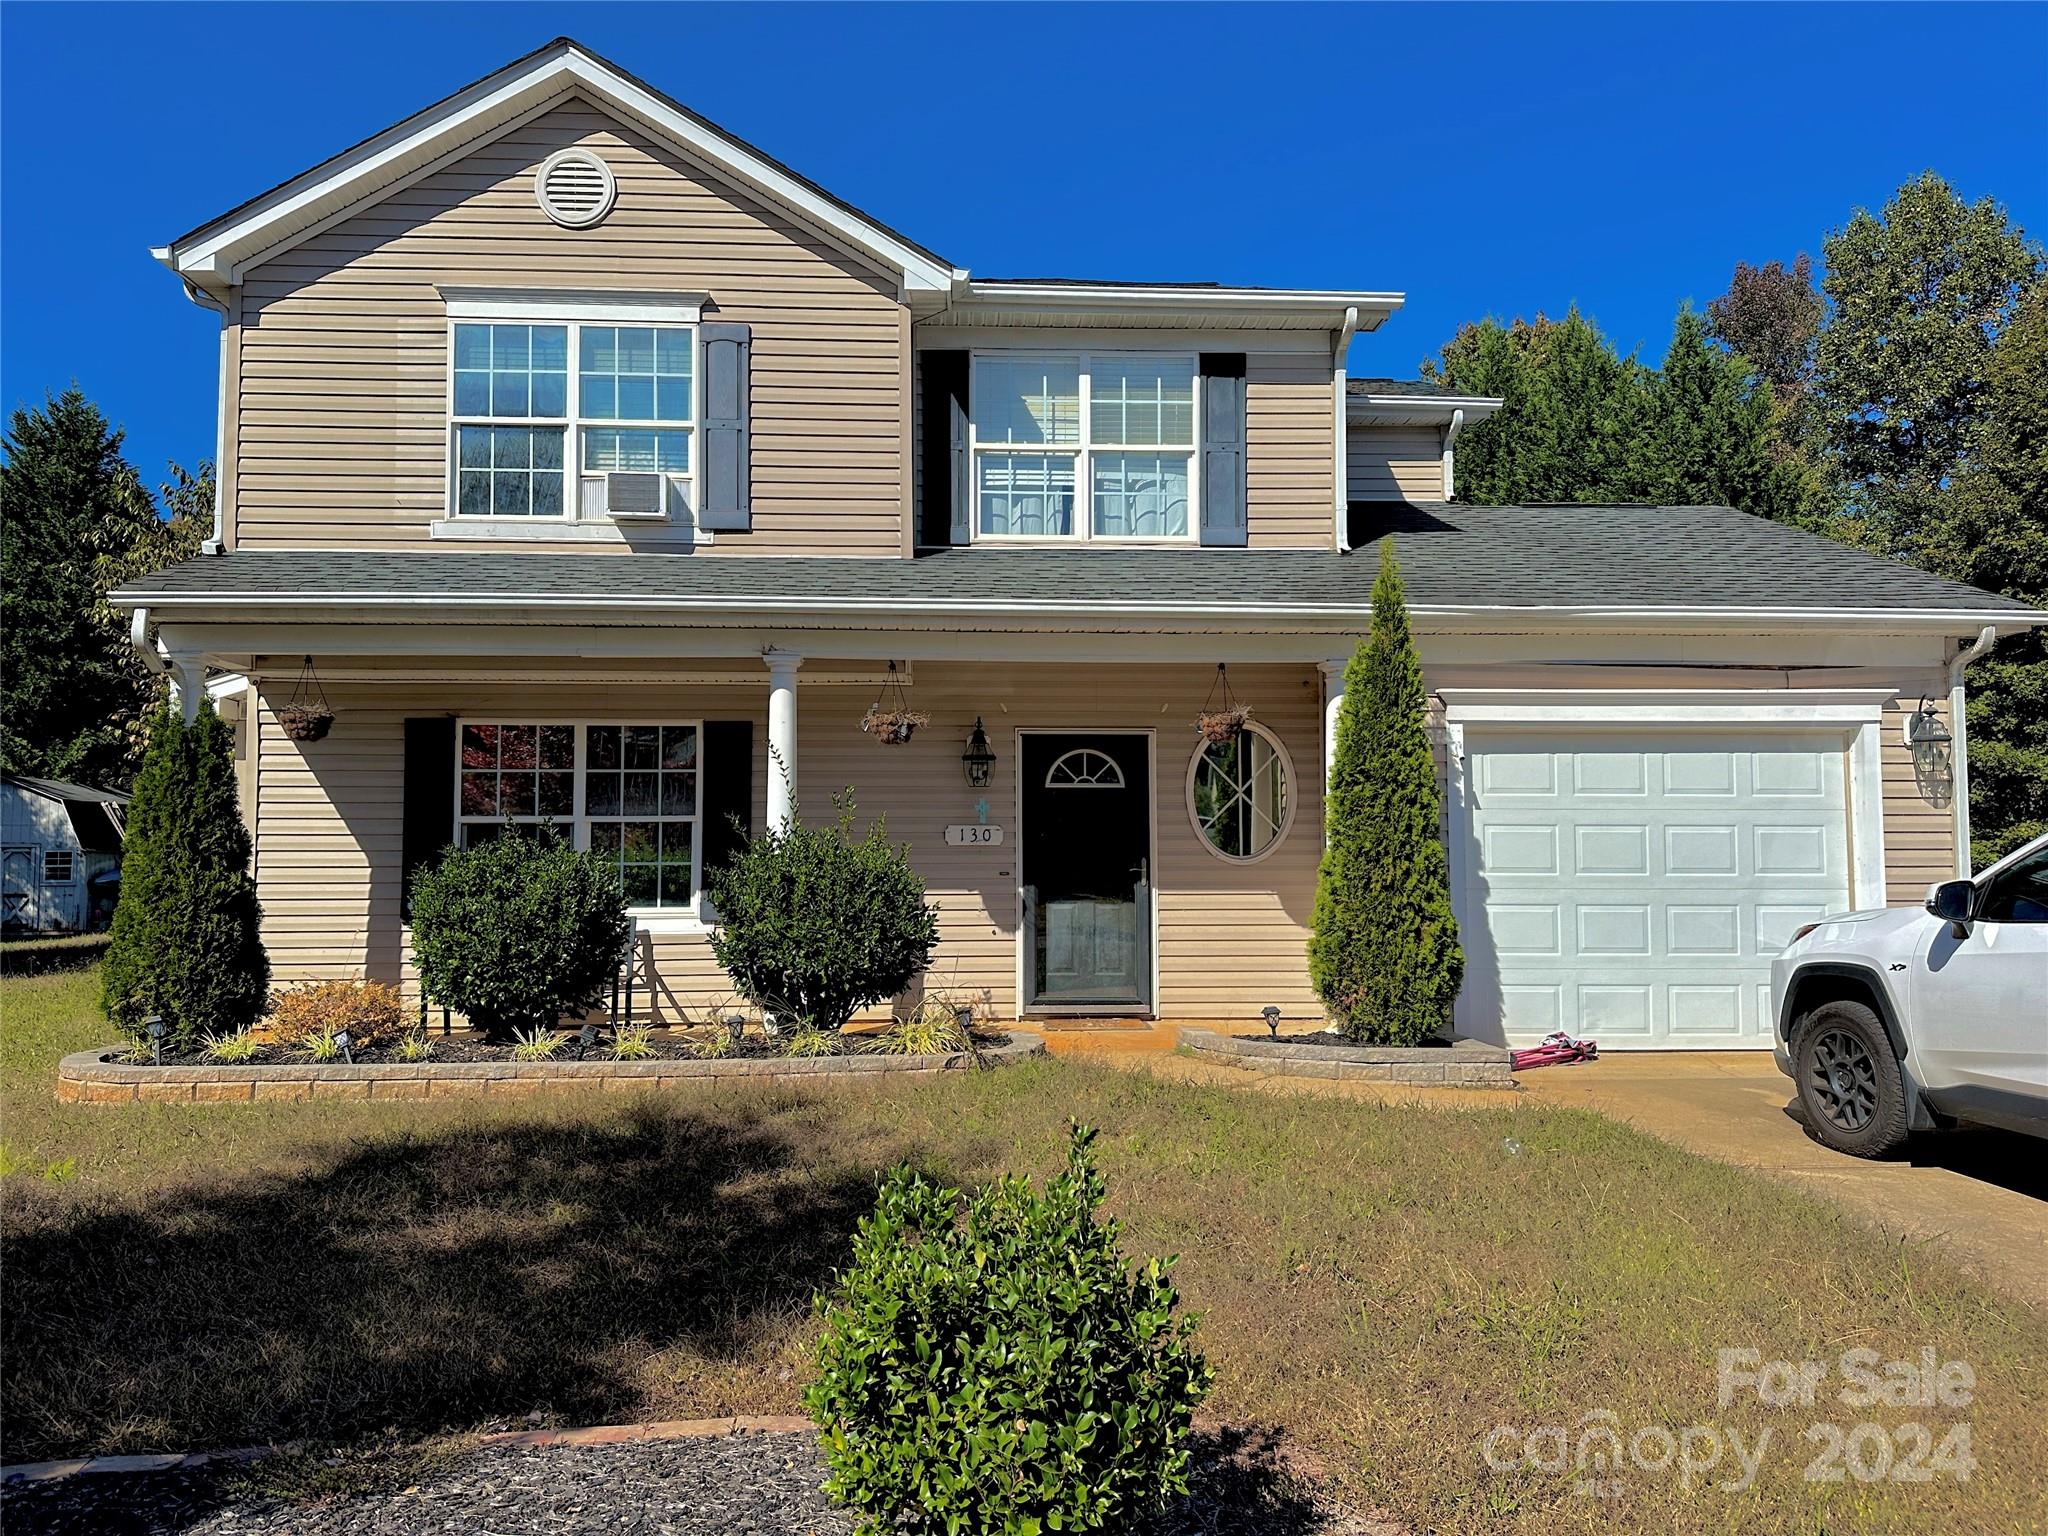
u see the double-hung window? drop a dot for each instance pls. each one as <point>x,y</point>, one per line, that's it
<point>627,791</point>
<point>1084,446</point>
<point>542,412</point>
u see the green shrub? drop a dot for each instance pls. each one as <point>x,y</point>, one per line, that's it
<point>815,924</point>
<point>1005,1374</point>
<point>1383,953</point>
<point>185,942</point>
<point>370,1011</point>
<point>518,931</point>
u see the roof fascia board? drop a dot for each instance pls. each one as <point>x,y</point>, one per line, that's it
<point>1435,408</point>
<point>534,86</point>
<point>1200,304</point>
<point>884,613</point>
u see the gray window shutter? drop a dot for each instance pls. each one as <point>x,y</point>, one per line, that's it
<point>1223,448</point>
<point>961,461</point>
<point>943,442</point>
<point>727,792</point>
<point>725,503</point>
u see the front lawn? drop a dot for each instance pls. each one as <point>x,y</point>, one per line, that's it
<point>1387,1285</point>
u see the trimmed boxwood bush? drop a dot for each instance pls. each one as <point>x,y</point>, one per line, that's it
<point>815,924</point>
<point>518,931</point>
<point>1005,1373</point>
<point>185,943</point>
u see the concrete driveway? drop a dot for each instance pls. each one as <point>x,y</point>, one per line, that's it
<point>1983,1193</point>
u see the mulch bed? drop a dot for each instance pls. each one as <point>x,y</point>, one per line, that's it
<point>733,1485</point>
<point>467,1046</point>
<point>1328,1037</point>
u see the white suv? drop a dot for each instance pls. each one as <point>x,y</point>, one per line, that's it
<point>1900,1020</point>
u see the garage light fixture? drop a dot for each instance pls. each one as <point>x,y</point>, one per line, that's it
<point>979,759</point>
<point>1925,728</point>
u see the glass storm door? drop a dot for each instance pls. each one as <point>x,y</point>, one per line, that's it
<point>1086,870</point>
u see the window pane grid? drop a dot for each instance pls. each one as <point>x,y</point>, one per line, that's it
<point>1239,795</point>
<point>634,373</point>
<point>1078,413</point>
<point>637,806</point>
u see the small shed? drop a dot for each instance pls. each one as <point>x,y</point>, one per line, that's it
<point>60,855</point>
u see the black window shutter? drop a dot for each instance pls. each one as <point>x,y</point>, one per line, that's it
<point>943,444</point>
<point>429,797</point>
<point>1223,448</point>
<point>728,790</point>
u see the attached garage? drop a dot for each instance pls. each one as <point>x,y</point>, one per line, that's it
<point>1631,883</point>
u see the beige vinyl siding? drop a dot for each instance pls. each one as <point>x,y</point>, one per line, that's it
<point>1232,937</point>
<point>1919,822</point>
<point>1290,450</point>
<point>339,374</point>
<point>1394,464</point>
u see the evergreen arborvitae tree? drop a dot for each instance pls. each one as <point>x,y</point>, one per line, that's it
<point>1384,954</point>
<point>186,944</point>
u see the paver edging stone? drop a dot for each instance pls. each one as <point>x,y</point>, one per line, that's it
<point>91,1077</point>
<point>1463,1064</point>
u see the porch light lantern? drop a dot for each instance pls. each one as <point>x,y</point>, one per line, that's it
<point>1223,718</point>
<point>890,719</point>
<point>306,717</point>
<point>1925,728</point>
<point>980,758</point>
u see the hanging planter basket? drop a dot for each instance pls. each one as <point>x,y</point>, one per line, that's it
<point>306,717</point>
<point>1222,719</point>
<point>890,719</point>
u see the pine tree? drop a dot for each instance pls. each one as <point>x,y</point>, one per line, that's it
<point>186,943</point>
<point>1710,437</point>
<point>1384,953</point>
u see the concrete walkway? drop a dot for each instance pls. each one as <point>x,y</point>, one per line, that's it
<point>1982,1194</point>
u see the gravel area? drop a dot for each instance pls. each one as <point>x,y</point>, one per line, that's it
<point>733,1485</point>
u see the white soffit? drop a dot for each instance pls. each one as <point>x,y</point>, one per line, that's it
<point>214,255</point>
<point>1416,410</point>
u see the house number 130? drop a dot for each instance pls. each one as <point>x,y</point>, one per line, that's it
<point>974,835</point>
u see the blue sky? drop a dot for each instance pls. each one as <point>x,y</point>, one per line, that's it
<point>1485,160</point>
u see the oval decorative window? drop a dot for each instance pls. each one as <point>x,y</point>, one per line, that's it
<point>1084,768</point>
<point>575,188</point>
<point>1241,794</point>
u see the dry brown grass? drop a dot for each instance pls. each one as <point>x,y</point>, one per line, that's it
<point>1385,1284</point>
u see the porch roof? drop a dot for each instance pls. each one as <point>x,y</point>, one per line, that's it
<point>1549,564</point>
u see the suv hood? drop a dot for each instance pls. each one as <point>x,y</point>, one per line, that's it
<point>1871,922</point>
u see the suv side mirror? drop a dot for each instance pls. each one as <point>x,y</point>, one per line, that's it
<point>1953,901</point>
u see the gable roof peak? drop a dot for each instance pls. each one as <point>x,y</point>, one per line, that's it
<point>214,255</point>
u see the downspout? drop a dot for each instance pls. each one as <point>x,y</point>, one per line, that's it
<point>1451,437</point>
<point>1341,472</point>
<point>145,647</point>
<point>218,543</point>
<point>1958,725</point>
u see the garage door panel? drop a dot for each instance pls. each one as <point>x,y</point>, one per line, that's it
<point>1635,886</point>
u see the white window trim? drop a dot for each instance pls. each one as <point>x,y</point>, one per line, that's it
<point>690,919</point>
<point>522,306</point>
<point>1288,787</point>
<point>1084,449</point>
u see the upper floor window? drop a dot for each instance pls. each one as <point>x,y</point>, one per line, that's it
<point>1085,446</point>
<point>534,436</point>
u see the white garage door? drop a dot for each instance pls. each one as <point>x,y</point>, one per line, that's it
<point>1635,885</point>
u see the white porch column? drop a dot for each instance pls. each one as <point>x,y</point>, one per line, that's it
<point>782,667</point>
<point>1333,700</point>
<point>188,683</point>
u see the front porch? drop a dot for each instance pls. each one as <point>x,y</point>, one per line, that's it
<point>1099,873</point>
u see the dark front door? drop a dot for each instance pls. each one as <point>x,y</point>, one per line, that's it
<point>1087,877</point>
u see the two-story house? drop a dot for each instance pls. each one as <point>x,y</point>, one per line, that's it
<point>594,466</point>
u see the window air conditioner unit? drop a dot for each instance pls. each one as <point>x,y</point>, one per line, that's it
<point>631,493</point>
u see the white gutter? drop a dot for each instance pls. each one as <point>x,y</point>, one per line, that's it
<point>1958,725</point>
<point>1451,431</point>
<point>198,295</point>
<point>353,604</point>
<point>145,647</point>
<point>1341,471</point>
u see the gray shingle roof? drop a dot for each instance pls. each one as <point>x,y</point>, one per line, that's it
<point>1418,387</point>
<point>1451,556</point>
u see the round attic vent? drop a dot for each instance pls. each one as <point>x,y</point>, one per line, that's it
<point>575,188</point>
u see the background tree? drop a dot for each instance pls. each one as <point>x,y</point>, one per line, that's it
<point>1710,437</point>
<point>186,943</point>
<point>1919,297</point>
<point>1384,952</point>
<point>1771,317</point>
<point>75,521</point>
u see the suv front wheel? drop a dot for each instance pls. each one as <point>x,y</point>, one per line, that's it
<point>1849,1081</point>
